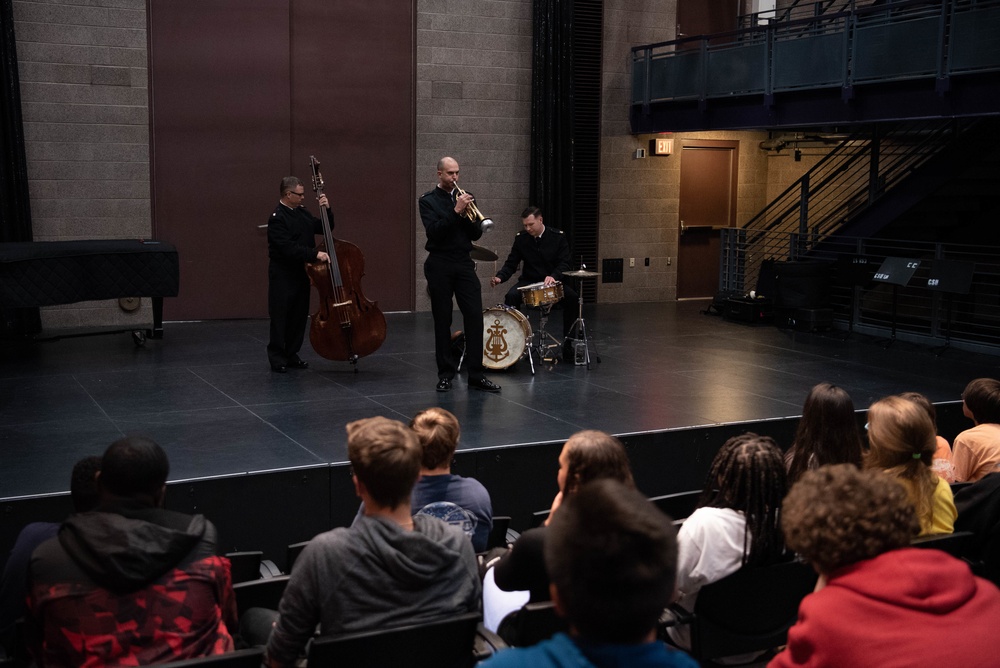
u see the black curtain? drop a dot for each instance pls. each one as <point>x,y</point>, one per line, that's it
<point>551,111</point>
<point>15,210</point>
<point>565,122</point>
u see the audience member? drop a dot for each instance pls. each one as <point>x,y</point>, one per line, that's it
<point>979,512</point>
<point>902,440</point>
<point>976,451</point>
<point>613,557</point>
<point>941,462</point>
<point>13,586</point>
<point>879,602</point>
<point>463,502</point>
<point>827,433</point>
<point>130,583</point>
<point>389,568</point>
<point>736,523</point>
<point>587,455</point>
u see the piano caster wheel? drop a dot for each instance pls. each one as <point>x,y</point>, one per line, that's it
<point>139,337</point>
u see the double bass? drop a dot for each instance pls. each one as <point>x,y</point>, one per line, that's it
<point>347,325</point>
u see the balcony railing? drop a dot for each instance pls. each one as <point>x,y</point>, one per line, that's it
<point>876,43</point>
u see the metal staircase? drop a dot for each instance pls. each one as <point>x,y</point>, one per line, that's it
<point>834,196</point>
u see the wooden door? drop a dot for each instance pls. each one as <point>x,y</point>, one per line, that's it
<point>709,171</point>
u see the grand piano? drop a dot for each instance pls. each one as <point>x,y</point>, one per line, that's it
<point>43,273</point>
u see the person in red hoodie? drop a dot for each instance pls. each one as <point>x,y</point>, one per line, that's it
<point>879,602</point>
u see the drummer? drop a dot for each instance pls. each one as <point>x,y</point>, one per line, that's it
<point>543,253</point>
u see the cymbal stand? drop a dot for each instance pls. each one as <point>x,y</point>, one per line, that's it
<point>578,331</point>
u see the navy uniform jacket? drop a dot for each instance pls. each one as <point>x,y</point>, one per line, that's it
<point>449,235</point>
<point>546,256</point>
<point>291,236</point>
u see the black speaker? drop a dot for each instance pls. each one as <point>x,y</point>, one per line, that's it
<point>801,285</point>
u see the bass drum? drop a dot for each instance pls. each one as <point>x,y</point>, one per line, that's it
<point>506,335</point>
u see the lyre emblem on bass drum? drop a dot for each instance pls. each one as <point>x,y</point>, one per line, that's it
<point>496,345</point>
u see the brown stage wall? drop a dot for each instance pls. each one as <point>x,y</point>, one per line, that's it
<point>241,93</point>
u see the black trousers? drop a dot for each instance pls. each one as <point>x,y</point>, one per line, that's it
<point>288,308</point>
<point>447,278</point>
<point>570,307</point>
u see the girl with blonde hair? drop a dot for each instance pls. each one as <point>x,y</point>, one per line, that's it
<point>903,441</point>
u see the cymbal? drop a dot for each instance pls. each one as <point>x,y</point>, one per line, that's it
<point>581,273</point>
<point>481,254</point>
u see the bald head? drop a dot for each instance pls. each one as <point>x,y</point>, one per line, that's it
<point>447,172</point>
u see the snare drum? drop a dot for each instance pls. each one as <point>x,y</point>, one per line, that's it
<point>506,336</point>
<point>539,294</point>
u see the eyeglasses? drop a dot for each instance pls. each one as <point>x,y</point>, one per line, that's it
<point>301,194</point>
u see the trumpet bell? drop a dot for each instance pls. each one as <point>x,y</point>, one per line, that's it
<point>485,224</point>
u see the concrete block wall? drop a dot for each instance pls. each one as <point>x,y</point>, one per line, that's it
<point>82,66</point>
<point>640,198</point>
<point>783,169</point>
<point>474,104</point>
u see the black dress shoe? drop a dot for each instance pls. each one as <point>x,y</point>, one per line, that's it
<point>484,384</point>
<point>444,385</point>
<point>298,364</point>
<point>279,369</point>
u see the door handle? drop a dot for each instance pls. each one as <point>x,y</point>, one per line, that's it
<point>698,228</point>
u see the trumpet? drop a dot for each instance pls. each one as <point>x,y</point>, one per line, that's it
<point>473,213</point>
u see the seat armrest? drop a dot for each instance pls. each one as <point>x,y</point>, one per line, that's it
<point>487,643</point>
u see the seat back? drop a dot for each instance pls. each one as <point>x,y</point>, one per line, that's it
<point>244,658</point>
<point>446,643</point>
<point>956,544</point>
<point>294,550</point>
<point>750,610</point>
<point>531,624</point>
<point>245,566</point>
<point>498,533</point>
<point>679,506</point>
<point>264,593</point>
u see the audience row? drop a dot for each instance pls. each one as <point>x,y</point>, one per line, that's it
<point>125,581</point>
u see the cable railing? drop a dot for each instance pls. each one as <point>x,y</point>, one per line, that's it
<point>847,181</point>
<point>919,309</point>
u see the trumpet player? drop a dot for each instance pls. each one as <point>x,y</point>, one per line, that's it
<point>452,224</point>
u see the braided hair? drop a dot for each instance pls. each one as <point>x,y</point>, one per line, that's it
<point>748,475</point>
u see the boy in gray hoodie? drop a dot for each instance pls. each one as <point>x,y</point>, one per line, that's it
<point>387,569</point>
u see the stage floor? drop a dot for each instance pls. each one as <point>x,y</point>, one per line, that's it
<point>206,394</point>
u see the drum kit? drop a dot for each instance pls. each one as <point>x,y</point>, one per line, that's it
<point>508,335</point>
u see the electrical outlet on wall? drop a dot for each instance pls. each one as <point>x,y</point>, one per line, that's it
<point>631,262</point>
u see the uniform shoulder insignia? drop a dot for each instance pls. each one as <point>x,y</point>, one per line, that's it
<point>559,231</point>
<point>425,194</point>
<point>519,234</point>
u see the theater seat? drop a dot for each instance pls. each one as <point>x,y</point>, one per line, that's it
<point>245,566</point>
<point>531,624</point>
<point>265,593</point>
<point>447,643</point>
<point>498,533</point>
<point>956,544</point>
<point>678,506</point>
<point>244,658</point>
<point>748,611</point>
<point>294,550</point>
